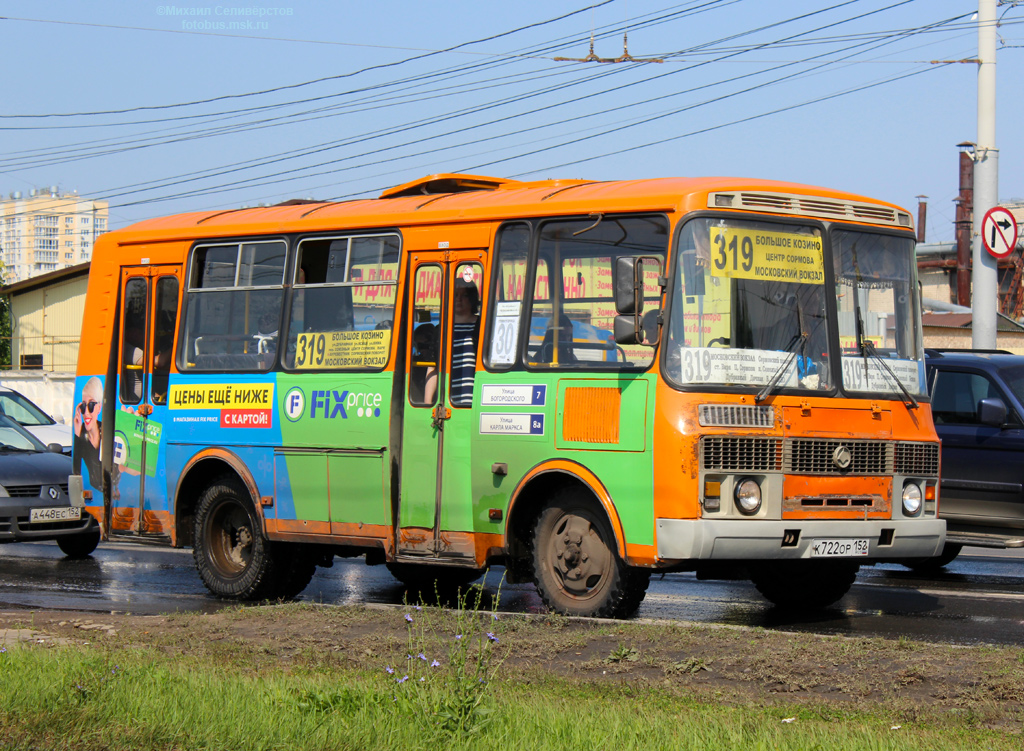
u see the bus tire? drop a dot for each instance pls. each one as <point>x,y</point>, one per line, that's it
<point>930,565</point>
<point>79,546</point>
<point>297,571</point>
<point>233,558</point>
<point>804,585</point>
<point>575,565</point>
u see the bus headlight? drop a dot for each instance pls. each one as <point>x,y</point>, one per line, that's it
<point>748,496</point>
<point>911,499</point>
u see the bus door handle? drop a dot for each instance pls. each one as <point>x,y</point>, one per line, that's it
<point>440,414</point>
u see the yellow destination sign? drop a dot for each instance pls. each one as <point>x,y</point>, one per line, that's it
<point>342,350</point>
<point>223,396</point>
<point>767,256</point>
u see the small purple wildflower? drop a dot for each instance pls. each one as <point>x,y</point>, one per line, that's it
<point>422,656</point>
<point>435,664</point>
<point>422,679</point>
<point>389,670</point>
<point>417,607</point>
<point>458,636</point>
<point>408,618</point>
<point>403,679</point>
<point>2,650</point>
<point>492,637</point>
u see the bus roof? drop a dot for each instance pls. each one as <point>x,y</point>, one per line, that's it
<point>473,198</point>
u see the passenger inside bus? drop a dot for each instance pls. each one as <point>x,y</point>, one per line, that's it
<point>465,331</point>
<point>423,374</point>
<point>558,338</point>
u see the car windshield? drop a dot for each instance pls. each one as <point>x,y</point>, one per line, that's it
<point>1013,377</point>
<point>13,437</point>
<point>19,408</point>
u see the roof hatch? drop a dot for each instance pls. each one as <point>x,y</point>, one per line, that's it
<point>446,183</point>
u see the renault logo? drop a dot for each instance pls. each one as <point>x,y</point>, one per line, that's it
<point>53,493</point>
<point>842,457</point>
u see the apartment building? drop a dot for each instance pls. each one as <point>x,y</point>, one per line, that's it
<point>47,231</point>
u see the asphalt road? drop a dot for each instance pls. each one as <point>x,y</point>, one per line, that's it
<point>979,598</point>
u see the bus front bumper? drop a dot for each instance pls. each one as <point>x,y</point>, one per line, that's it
<point>747,539</point>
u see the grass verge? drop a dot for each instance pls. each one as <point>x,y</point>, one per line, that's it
<point>301,677</point>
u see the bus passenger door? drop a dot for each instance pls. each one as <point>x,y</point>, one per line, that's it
<point>435,512</point>
<point>149,315</point>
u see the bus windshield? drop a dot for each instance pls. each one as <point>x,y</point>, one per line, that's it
<point>876,287</point>
<point>749,307</point>
<point>750,310</point>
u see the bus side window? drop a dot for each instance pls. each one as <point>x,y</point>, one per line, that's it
<point>426,338</point>
<point>163,336</point>
<point>344,287</point>
<point>234,306</point>
<point>136,304</point>
<point>508,279</point>
<point>465,331</point>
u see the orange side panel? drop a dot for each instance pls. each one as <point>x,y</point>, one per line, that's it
<point>591,415</point>
<point>676,495</point>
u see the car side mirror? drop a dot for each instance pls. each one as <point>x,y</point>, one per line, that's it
<point>992,411</point>
<point>55,448</point>
<point>59,418</point>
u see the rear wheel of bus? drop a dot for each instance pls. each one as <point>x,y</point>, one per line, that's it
<point>233,558</point>
<point>575,565</point>
<point>804,585</point>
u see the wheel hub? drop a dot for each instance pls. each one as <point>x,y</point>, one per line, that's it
<point>243,539</point>
<point>581,560</point>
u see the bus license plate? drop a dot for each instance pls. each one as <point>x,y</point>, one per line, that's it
<point>838,548</point>
<point>59,514</point>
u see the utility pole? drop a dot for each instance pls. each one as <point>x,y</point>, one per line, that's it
<point>985,297</point>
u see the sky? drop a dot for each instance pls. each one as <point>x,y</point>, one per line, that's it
<point>164,108</point>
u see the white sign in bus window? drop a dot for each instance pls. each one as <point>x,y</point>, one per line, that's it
<point>867,374</point>
<point>505,333</point>
<point>755,367</point>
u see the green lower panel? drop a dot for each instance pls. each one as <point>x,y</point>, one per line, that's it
<point>357,485</point>
<point>307,476</point>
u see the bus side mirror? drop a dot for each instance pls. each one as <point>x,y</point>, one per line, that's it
<point>629,299</point>
<point>626,330</point>
<point>629,274</point>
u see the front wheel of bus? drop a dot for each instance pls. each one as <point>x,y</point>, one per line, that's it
<point>233,558</point>
<point>803,585</point>
<point>575,566</point>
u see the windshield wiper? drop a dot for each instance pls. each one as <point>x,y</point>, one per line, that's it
<point>868,350</point>
<point>8,447</point>
<point>791,349</point>
<point>866,347</point>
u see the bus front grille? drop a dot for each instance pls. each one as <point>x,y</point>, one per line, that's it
<point>815,456</point>
<point>917,459</point>
<point>728,454</point>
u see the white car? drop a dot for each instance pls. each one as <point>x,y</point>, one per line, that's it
<point>22,410</point>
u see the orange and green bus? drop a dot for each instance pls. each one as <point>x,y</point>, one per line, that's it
<point>584,382</point>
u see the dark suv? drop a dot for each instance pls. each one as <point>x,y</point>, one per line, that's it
<point>978,405</point>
